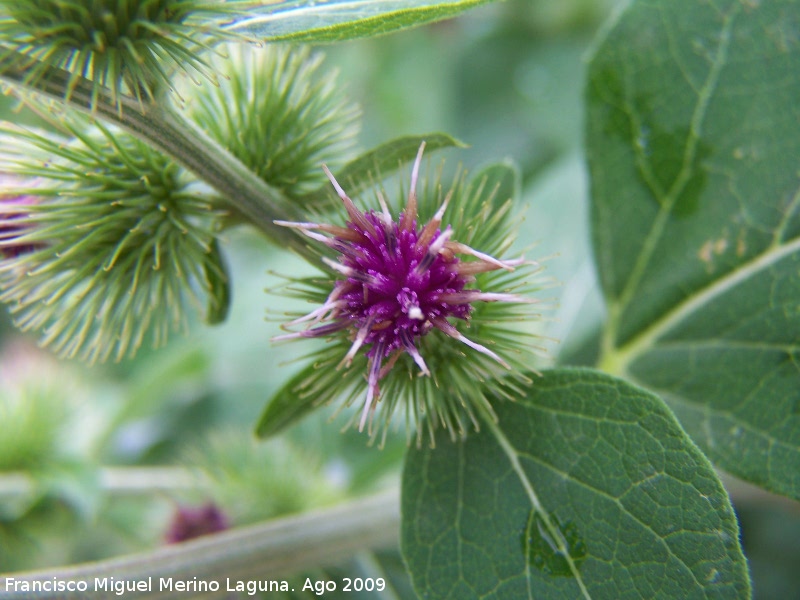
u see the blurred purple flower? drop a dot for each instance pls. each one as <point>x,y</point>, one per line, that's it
<point>192,522</point>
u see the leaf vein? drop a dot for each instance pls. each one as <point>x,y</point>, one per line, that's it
<point>647,338</point>
<point>513,456</point>
<point>679,399</point>
<point>621,506</point>
<point>667,203</point>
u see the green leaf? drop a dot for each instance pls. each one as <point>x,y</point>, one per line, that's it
<point>219,297</point>
<point>287,406</point>
<point>315,385</point>
<point>363,172</point>
<point>587,488</point>
<point>339,20</point>
<point>692,145</point>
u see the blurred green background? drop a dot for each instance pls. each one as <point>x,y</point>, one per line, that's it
<point>111,450</point>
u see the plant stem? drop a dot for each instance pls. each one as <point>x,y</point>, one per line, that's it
<point>167,131</point>
<point>266,551</point>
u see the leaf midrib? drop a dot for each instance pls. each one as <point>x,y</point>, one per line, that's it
<point>351,13</point>
<point>513,455</point>
<point>618,360</point>
<point>555,533</point>
<point>667,202</point>
<point>618,503</point>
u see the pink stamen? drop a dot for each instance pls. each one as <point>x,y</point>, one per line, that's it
<point>448,329</point>
<point>360,337</point>
<point>433,224</point>
<point>318,314</point>
<point>460,248</point>
<point>481,266</point>
<point>343,269</point>
<point>386,368</point>
<point>311,333</point>
<point>355,215</point>
<point>408,344</point>
<point>340,232</point>
<point>410,214</point>
<point>386,216</point>
<point>468,296</point>
<point>440,241</point>
<point>372,383</point>
<point>434,249</point>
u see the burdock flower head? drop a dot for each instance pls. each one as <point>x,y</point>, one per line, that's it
<point>399,281</point>
<point>105,244</point>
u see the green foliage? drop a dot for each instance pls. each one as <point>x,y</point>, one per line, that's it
<point>121,244</point>
<point>564,483</point>
<point>219,297</point>
<point>320,382</point>
<point>340,20</point>
<point>696,223</point>
<point>34,402</point>
<point>278,114</point>
<point>125,47</point>
<point>585,488</point>
<point>253,482</point>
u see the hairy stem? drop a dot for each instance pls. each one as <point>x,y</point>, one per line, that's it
<point>167,131</point>
<point>269,550</point>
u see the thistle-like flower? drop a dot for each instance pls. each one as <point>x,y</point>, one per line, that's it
<point>124,47</point>
<point>113,244</point>
<point>278,113</point>
<point>397,281</point>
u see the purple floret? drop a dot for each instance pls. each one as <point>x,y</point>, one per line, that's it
<point>393,290</point>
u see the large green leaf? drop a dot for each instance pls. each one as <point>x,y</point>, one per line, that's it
<point>336,20</point>
<point>693,139</point>
<point>587,488</point>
